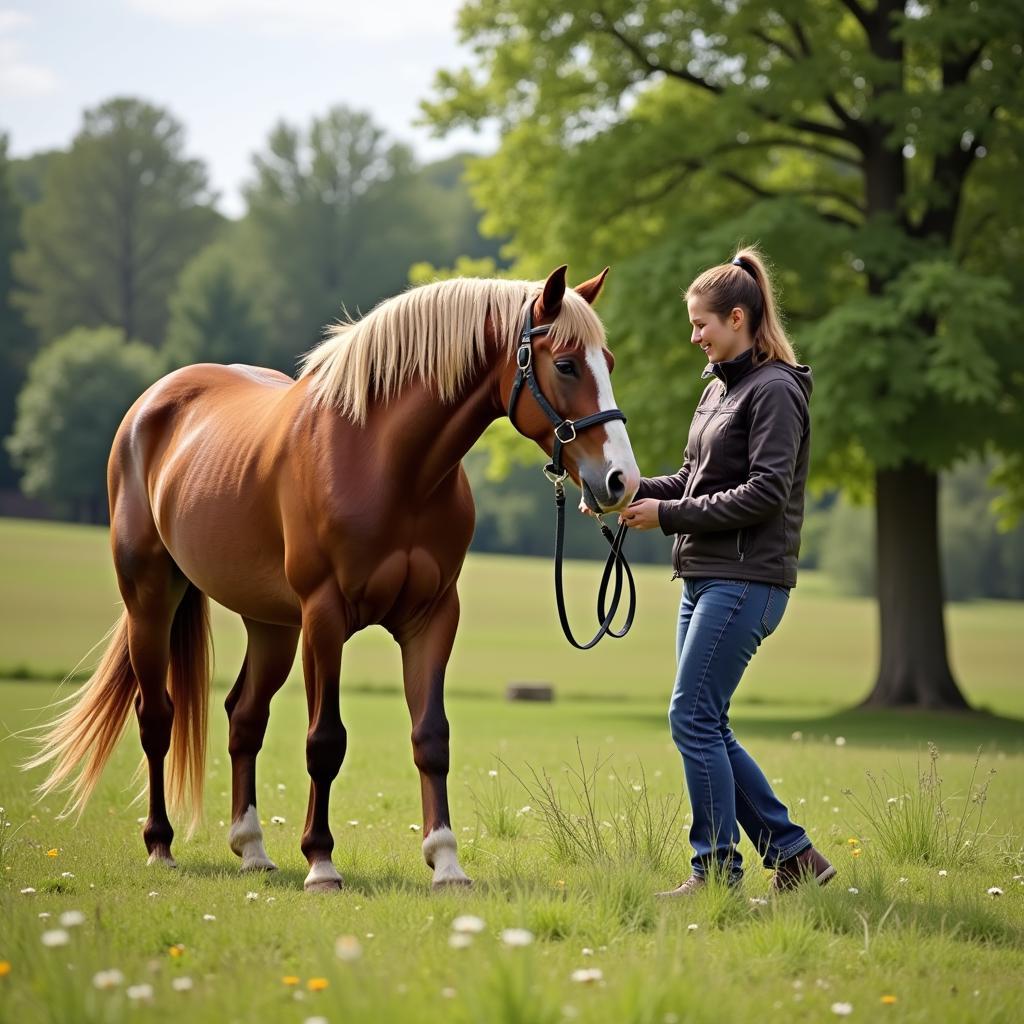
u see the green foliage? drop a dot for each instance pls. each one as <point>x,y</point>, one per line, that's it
<point>217,312</point>
<point>16,341</point>
<point>77,392</point>
<point>120,215</point>
<point>339,213</point>
<point>865,147</point>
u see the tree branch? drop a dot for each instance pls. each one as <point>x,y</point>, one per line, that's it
<point>860,13</point>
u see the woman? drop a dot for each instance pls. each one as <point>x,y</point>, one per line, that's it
<point>735,509</point>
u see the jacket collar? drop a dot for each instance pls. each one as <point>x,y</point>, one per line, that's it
<point>731,371</point>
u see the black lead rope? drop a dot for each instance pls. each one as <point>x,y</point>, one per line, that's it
<point>565,433</point>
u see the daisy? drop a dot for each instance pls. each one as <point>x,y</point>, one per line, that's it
<point>842,1009</point>
<point>138,992</point>
<point>587,975</point>
<point>516,937</point>
<point>55,937</point>
<point>182,984</point>
<point>72,918</point>
<point>468,924</point>
<point>347,948</point>
<point>108,979</point>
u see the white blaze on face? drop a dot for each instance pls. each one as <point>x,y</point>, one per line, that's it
<point>618,452</point>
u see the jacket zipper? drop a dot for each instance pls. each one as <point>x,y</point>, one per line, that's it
<point>741,549</point>
<point>707,422</point>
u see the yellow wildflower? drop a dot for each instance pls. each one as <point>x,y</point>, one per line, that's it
<point>52,853</point>
<point>888,1000</point>
<point>5,968</point>
<point>177,949</point>
<point>290,979</point>
<point>856,852</point>
<point>852,841</point>
<point>317,984</point>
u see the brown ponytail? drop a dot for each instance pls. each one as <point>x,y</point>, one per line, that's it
<point>745,282</point>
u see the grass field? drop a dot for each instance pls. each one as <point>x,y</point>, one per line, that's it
<point>920,931</point>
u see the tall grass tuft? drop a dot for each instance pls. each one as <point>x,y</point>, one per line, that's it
<point>594,825</point>
<point>494,811</point>
<point>917,823</point>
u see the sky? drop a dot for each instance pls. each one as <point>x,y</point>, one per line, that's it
<point>227,69</point>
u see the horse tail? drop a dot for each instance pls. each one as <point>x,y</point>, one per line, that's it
<point>89,729</point>
<point>189,687</point>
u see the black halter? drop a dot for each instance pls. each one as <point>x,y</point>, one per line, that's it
<point>565,433</point>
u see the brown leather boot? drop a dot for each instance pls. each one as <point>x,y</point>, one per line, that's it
<point>692,885</point>
<point>804,867</point>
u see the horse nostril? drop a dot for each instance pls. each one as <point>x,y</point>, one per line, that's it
<point>615,485</point>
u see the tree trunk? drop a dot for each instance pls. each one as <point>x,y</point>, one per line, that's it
<point>914,666</point>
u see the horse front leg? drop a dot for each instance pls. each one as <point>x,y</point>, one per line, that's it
<point>426,648</point>
<point>323,633</point>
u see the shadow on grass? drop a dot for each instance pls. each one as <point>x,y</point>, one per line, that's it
<point>895,728</point>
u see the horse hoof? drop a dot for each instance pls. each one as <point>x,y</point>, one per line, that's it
<point>323,877</point>
<point>162,858</point>
<point>326,886</point>
<point>254,867</point>
<point>454,884</point>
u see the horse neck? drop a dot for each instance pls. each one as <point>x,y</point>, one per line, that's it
<point>422,440</point>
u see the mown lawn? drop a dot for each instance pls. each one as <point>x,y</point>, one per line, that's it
<point>936,943</point>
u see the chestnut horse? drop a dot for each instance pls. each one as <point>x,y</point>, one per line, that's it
<point>320,506</point>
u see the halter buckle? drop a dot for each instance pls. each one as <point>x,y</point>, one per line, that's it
<point>572,428</point>
<point>524,349</point>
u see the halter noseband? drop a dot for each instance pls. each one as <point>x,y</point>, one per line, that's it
<point>565,433</point>
<point>565,430</point>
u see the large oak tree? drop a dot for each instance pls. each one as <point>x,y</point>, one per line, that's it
<point>875,149</point>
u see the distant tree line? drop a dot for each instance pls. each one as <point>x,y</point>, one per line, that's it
<point>115,267</point>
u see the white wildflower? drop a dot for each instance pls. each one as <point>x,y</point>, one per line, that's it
<point>994,891</point>
<point>251,896</point>
<point>902,881</point>
<point>277,820</point>
<point>139,992</point>
<point>586,951</point>
<point>516,937</point>
<point>468,924</point>
<point>27,891</point>
<point>347,948</point>
<point>72,918</point>
<point>182,984</point>
<point>414,828</point>
<point>209,917</point>
<point>842,1009</point>
<point>460,940</point>
<point>797,736</point>
<point>66,874</point>
<point>853,891</point>
<point>840,741</point>
<point>692,927</point>
<point>493,773</point>
<point>943,873</point>
<point>55,937</point>
<point>108,979</point>
<point>587,975</point>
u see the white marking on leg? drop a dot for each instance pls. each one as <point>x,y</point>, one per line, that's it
<point>246,840</point>
<point>440,853</point>
<point>322,877</point>
<point>158,857</point>
<point>618,452</point>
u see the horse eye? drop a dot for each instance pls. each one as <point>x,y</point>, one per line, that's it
<point>566,367</point>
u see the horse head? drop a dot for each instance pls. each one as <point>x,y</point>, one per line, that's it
<point>571,384</point>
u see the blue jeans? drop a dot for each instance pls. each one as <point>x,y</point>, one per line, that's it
<point>721,625</point>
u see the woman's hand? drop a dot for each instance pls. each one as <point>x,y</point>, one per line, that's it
<point>641,515</point>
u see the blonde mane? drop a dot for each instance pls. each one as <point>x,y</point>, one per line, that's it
<point>436,334</point>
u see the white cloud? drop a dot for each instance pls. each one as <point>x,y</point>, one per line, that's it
<point>20,77</point>
<point>382,19</point>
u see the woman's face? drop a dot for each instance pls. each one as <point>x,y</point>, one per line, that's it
<point>720,338</point>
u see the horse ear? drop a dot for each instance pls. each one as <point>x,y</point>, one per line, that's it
<point>592,288</point>
<point>554,292</point>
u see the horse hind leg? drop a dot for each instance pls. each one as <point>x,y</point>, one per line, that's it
<point>268,660</point>
<point>152,597</point>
